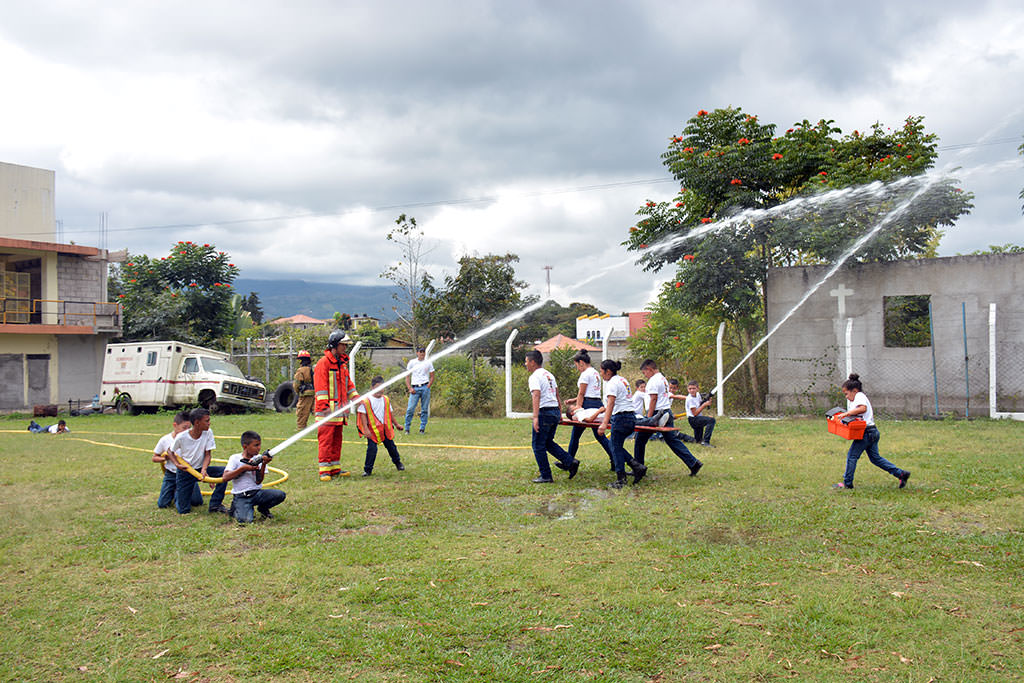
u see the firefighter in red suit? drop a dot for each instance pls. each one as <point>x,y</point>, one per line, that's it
<point>334,389</point>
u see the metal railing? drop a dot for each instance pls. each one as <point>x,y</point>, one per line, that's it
<point>99,315</point>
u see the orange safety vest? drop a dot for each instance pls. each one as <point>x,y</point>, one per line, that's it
<point>379,431</point>
<point>332,385</point>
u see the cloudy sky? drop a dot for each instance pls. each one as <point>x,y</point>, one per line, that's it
<point>293,136</point>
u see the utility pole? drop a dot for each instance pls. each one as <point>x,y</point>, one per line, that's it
<point>548,268</point>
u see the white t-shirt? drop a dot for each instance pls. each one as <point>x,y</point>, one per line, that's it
<point>165,444</point>
<point>861,400</point>
<point>543,381</point>
<point>376,404</point>
<point>192,450</point>
<point>640,402</point>
<point>592,383</point>
<point>53,429</point>
<point>657,384</point>
<point>420,370</point>
<point>692,403</point>
<point>246,481</point>
<point>618,387</point>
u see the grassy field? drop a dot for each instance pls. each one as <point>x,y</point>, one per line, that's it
<point>460,569</point>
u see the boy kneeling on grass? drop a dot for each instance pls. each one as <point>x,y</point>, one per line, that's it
<point>248,491</point>
<point>376,421</point>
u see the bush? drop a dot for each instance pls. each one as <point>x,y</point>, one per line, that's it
<point>459,392</point>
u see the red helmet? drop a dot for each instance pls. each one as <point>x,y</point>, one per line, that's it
<point>303,354</point>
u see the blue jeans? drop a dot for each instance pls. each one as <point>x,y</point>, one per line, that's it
<point>183,494</point>
<point>263,499</point>
<point>869,443</point>
<point>702,427</point>
<point>170,485</point>
<point>421,395</point>
<point>577,432</point>
<point>672,440</point>
<point>371,453</point>
<point>543,441</point>
<point>622,426</point>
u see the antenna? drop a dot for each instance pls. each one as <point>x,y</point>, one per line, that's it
<point>548,268</point>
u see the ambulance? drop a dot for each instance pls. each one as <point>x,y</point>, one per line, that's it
<point>171,374</point>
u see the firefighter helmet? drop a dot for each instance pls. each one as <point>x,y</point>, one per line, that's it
<point>337,337</point>
<point>303,354</point>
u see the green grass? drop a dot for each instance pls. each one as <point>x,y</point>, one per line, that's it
<point>460,569</point>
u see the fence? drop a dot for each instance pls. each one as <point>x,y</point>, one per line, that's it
<point>968,361</point>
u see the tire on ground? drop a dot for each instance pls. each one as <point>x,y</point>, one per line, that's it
<point>285,397</point>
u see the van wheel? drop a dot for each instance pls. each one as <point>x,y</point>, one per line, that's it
<point>285,397</point>
<point>208,400</point>
<point>125,406</point>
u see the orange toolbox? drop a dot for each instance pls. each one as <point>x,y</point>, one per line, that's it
<point>849,427</point>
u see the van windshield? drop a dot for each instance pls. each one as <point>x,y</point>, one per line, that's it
<point>221,367</point>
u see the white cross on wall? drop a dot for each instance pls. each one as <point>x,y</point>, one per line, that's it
<point>841,292</point>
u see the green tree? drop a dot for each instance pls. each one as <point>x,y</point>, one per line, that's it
<point>342,321</point>
<point>254,307</point>
<point>185,295</point>
<point>727,161</point>
<point>407,273</point>
<point>484,288</point>
<point>371,335</point>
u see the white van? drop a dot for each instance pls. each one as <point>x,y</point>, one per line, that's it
<point>169,374</point>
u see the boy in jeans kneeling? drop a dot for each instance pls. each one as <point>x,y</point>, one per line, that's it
<point>248,491</point>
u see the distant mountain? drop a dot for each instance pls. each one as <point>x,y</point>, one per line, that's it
<point>280,298</point>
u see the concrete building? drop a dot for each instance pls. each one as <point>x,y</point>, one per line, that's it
<point>55,319</point>
<point>594,329</point>
<point>913,330</point>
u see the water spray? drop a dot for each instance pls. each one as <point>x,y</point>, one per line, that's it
<point>402,375</point>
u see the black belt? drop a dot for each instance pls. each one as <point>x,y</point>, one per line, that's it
<point>417,386</point>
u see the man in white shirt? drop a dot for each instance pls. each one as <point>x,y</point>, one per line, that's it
<point>160,455</point>
<point>194,447</point>
<point>546,416</point>
<point>418,381</point>
<point>661,399</point>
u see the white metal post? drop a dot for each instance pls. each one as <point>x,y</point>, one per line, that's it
<point>849,346</point>
<point>719,368</point>
<point>352,364</point>
<point>604,343</point>
<point>992,360</point>
<point>429,348</point>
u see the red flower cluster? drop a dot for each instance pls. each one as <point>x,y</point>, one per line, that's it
<point>643,246</point>
<point>688,257</point>
<point>678,285</point>
<point>776,156</point>
<point>688,150</point>
<point>649,205</point>
<point>702,113</point>
<point>705,220</point>
<point>679,204</point>
<point>823,173</point>
<point>789,131</point>
<point>677,139</point>
<point>193,285</point>
<point>735,181</point>
<point>910,156</point>
<point>206,245</point>
<point>743,141</point>
<point>632,229</point>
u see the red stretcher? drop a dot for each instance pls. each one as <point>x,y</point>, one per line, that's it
<point>595,425</point>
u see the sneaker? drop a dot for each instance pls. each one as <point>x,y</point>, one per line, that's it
<point>400,467</point>
<point>687,438</point>
<point>221,509</point>
<point>343,473</point>
<point>265,514</point>
<point>707,444</point>
<point>696,468</point>
<point>903,478</point>
<point>325,477</point>
<point>422,431</point>
<point>543,480</point>
<point>841,485</point>
<point>617,484</point>
<point>366,474</point>
<point>663,420</point>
